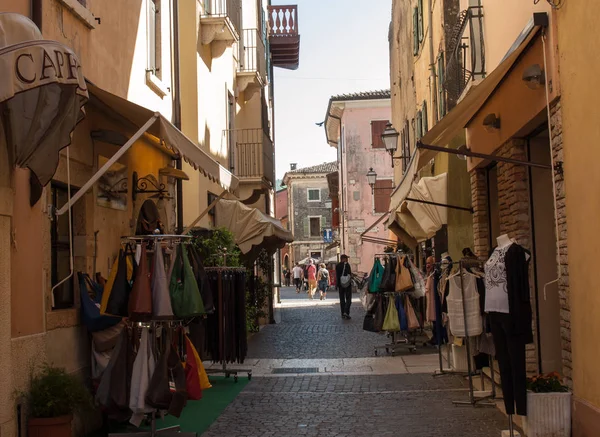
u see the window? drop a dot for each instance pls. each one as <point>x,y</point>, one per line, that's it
<point>154,38</point>
<point>64,296</point>
<point>212,215</point>
<point>406,146</point>
<point>377,128</point>
<point>315,226</point>
<point>425,123</point>
<point>440,85</point>
<point>314,194</point>
<point>383,191</point>
<point>420,23</point>
<point>419,126</point>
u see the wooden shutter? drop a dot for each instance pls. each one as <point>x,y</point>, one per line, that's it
<point>425,123</point>
<point>377,128</point>
<point>306,227</point>
<point>383,191</point>
<point>441,80</point>
<point>419,126</point>
<point>420,21</point>
<point>415,31</point>
<point>151,41</point>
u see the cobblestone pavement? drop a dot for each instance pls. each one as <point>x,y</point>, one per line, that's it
<point>415,405</point>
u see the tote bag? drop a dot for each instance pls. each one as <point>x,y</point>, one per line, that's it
<point>204,382</point>
<point>140,299</point>
<point>192,372</point>
<point>389,277</point>
<point>376,276</point>
<point>161,300</point>
<point>117,296</point>
<point>185,295</point>
<point>401,314</point>
<point>411,316</point>
<point>90,311</point>
<point>391,322</point>
<point>403,279</point>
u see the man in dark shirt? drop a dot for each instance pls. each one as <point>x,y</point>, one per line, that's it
<point>345,291</point>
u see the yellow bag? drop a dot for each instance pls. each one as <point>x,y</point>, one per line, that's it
<point>204,382</point>
<point>108,286</point>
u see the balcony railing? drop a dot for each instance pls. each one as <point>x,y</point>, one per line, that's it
<point>466,60</point>
<point>252,56</point>
<point>253,154</point>
<point>284,39</point>
<point>224,9</point>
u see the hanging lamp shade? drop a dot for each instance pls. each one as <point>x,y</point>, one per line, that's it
<point>42,93</point>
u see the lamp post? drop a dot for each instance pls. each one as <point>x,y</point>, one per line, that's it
<point>372,178</point>
<point>390,140</point>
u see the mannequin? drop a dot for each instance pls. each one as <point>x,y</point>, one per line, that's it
<point>507,301</point>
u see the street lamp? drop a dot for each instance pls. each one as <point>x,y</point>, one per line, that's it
<point>372,178</point>
<point>390,140</point>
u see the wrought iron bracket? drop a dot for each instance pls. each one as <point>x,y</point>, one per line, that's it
<point>140,186</point>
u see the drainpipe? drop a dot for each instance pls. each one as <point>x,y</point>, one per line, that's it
<point>433,78</point>
<point>177,105</point>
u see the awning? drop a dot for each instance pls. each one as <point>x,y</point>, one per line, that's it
<point>252,230</point>
<point>457,119</point>
<point>42,93</point>
<point>157,125</point>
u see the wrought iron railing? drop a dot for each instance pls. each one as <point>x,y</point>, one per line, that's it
<point>253,154</point>
<point>283,20</point>
<point>225,8</point>
<point>466,59</point>
<point>252,52</point>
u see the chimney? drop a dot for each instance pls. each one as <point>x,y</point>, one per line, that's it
<point>293,166</point>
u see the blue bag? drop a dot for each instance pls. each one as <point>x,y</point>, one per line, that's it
<point>90,308</point>
<point>401,314</point>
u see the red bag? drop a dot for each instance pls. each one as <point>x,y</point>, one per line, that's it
<point>192,378</point>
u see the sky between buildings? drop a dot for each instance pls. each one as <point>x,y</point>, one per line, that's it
<point>343,49</point>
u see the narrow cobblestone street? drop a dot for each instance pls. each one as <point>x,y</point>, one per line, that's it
<point>348,392</point>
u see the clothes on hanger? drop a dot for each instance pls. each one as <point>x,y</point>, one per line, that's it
<point>458,307</point>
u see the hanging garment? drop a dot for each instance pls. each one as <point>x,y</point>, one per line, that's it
<point>456,313</point>
<point>496,298</point>
<point>376,276</point>
<point>430,299</point>
<point>140,299</point>
<point>161,300</point>
<point>403,278</point>
<point>391,323</point>
<point>401,314</point>
<point>143,369</point>
<point>185,295</point>
<point>517,274</point>
<point>441,334</point>
<point>90,313</point>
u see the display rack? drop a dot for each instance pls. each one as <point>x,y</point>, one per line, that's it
<point>224,370</point>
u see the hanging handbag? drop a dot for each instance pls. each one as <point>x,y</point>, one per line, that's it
<point>143,369</point>
<point>403,278</point>
<point>389,277</point>
<point>369,323</point>
<point>117,298</point>
<point>417,278</point>
<point>90,311</point>
<point>140,299</point>
<point>161,300</point>
<point>401,314</point>
<point>192,372</point>
<point>376,276</point>
<point>106,339</point>
<point>202,375</point>
<point>391,322</point>
<point>185,295</point>
<point>120,379</point>
<point>380,311</point>
<point>201,279</point>
<point>411,316</point>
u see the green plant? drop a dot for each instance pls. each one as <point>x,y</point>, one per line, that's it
<point>549,383</point>
<point>218,249</point>
<point>53,393</point>
<point>258,295</point>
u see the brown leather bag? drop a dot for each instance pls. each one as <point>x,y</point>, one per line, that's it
<point>140,300</point>
<point>403,279</point>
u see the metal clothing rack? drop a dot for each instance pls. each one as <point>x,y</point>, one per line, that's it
<point>473,401</point>
<point>224,370</point>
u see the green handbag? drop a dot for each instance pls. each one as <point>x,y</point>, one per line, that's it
<point>391,323</point>
<point>186,300</point>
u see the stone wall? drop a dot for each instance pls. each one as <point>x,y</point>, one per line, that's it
<point>481,222</point>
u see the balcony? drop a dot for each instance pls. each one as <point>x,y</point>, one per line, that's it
<point>466,60</point>
<point>251,75</point>
<point>284,40</point>
<point>253,156</point>
<point>221,21</point>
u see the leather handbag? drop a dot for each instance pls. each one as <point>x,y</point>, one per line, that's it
<point>107,339</point>
<point>117,296</point>
<point>391,322</point>
<point>192,372</point>
<point>90,313</point>
<point>369,323</point>
<point>380,311</point>
<point>403,278</point>
<point>388,282</point>
<point>185,295</point>
<point>140,299</point>
<point>411,316</point>
<point>161,300</point>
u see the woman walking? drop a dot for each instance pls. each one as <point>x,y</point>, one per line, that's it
<point>324,281</point>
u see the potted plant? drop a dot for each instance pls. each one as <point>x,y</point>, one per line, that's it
<point>548,407</point>
<point>53,397</point>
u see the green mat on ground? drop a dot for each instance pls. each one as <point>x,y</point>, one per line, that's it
<point>197,416</point>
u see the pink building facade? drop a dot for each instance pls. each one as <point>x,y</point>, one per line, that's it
<point>354,124</point>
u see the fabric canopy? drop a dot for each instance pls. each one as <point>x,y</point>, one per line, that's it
<point>164,130</point>
<point>252,230</point>
<point>42,93</point>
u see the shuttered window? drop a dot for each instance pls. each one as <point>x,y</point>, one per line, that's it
<point>377,128</point>
<point>315,226</point>
<point>415,31</point>
<point>383,191</point>
<point>419,126</point>
<point>420,21</point>
<point>440,85</point>
<point>425,125</point>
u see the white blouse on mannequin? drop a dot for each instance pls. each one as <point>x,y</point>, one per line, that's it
<point>496,291</point>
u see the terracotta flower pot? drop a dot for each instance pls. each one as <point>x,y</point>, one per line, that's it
<point>50,427</point>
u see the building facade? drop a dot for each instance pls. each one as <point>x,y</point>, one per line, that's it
<point>281,214</point>
<point>309,210</point>
<point>354,124</point>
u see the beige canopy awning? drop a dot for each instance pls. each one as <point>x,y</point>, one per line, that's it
<point>252,229</point>
<point>42,91</point>
<point>155,124</point>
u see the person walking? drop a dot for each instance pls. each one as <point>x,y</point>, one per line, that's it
<point>312,278</point>
<point>323,281</point>
<point>298,277</point>
<point>343,274</point>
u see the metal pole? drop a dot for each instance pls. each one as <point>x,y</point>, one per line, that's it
<point>462,208</point>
